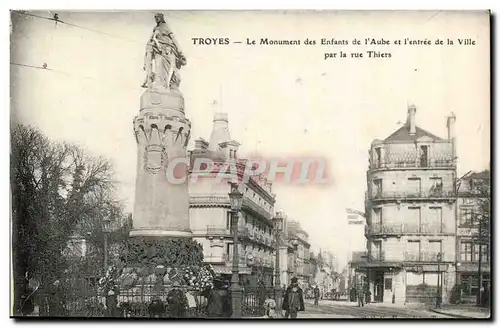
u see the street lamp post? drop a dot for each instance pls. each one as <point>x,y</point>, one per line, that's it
<point>439,282</point>
<point>278,227</point>
<point>236,199</point>
<point>105,228</point>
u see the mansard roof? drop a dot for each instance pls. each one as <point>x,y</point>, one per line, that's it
<point>403,134</point>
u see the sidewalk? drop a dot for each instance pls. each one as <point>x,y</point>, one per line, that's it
<point>464,311</point>
<point>384,305</point>
<point>305,315</point>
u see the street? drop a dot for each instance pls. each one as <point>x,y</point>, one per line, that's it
<point>344,309</point>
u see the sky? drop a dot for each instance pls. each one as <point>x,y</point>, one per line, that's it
<point>281,100</point>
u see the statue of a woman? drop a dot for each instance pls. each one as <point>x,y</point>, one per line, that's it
<point>163,58</point>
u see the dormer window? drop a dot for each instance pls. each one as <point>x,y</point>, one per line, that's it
<point>378,157</point>
<point>424,156</point>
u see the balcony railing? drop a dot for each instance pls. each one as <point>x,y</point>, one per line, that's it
<point>421,257</point>
<point>215,258</point>
<point>405,228</point>
<point>416,163</point>
<point>384,195</point>
<point>213,230</point>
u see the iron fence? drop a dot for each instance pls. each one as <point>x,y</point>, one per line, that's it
<point>252,303</point>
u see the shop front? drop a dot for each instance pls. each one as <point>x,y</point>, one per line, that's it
<point>385,281</point>
<point>468,282</point>
<point>425,283</point>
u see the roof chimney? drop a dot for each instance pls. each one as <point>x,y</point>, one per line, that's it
<point>220,131</point>
<point>412,109</point>
<point>450,124</point>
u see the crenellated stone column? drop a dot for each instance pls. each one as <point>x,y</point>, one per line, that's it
<point>162,133</point>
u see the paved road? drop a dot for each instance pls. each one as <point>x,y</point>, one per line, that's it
<point>343,309</point>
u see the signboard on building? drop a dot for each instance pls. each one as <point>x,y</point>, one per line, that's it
<point>355,217</point>
<point>467,231</point>
<point>427,268</point>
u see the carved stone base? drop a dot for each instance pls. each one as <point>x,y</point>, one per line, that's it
<point>162,100</point>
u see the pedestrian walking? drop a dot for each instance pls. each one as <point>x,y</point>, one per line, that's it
<point>316,296</point>
<point>219,301</point>
<point>352,294</point>
<point>293,301</point>
<point>361,296</point>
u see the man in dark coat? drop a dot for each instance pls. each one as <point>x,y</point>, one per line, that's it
<point>219,301</point>
<point>177,301</point>
<point>293,300</point>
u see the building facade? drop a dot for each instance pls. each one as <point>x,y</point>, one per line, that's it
<point>210,211</point>
<point>410,207</point>
<point>298,254</point>
<point>325,276</point>
<point>468,250</point>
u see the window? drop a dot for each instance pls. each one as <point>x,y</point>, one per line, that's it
<point>388,283</point>
<point>466,251</point>
<point>414,186</point>
<point>377,251</point>
<point>435,247</point>
<point>412,224</point>
<point>485,253</point>
<point>466,216</point>
<point>228,220</point>
<point>437,186</point>
<point>377,187</point>
<point>377,218</point>
<point>424,156</point>
<point>378,157</point>
<point>433,222</point>
<point>412,250</point>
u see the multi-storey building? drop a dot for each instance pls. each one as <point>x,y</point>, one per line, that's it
<point>410,209</point>
<point>356,223</point>
<point>469,237</point>
<point>325,275</point>
<point>298,253</point>
<point>210,211</point>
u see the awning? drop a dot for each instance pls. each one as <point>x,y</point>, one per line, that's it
<point>366,265</point>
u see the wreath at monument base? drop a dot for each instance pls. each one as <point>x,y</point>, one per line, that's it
<point>164,261</point>
<point>173,252</point>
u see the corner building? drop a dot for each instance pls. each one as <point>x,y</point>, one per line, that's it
<point>210,211</point>
<point>410,207</point>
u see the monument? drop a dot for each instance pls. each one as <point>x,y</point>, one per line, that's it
<point>162,132</point>
<point>160,253</point>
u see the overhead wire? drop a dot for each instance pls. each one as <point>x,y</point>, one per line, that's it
<point>56,19</point>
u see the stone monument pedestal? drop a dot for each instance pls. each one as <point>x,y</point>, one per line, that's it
<point>161,207</point>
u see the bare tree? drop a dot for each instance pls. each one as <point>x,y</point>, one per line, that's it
<point>56,188</point>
